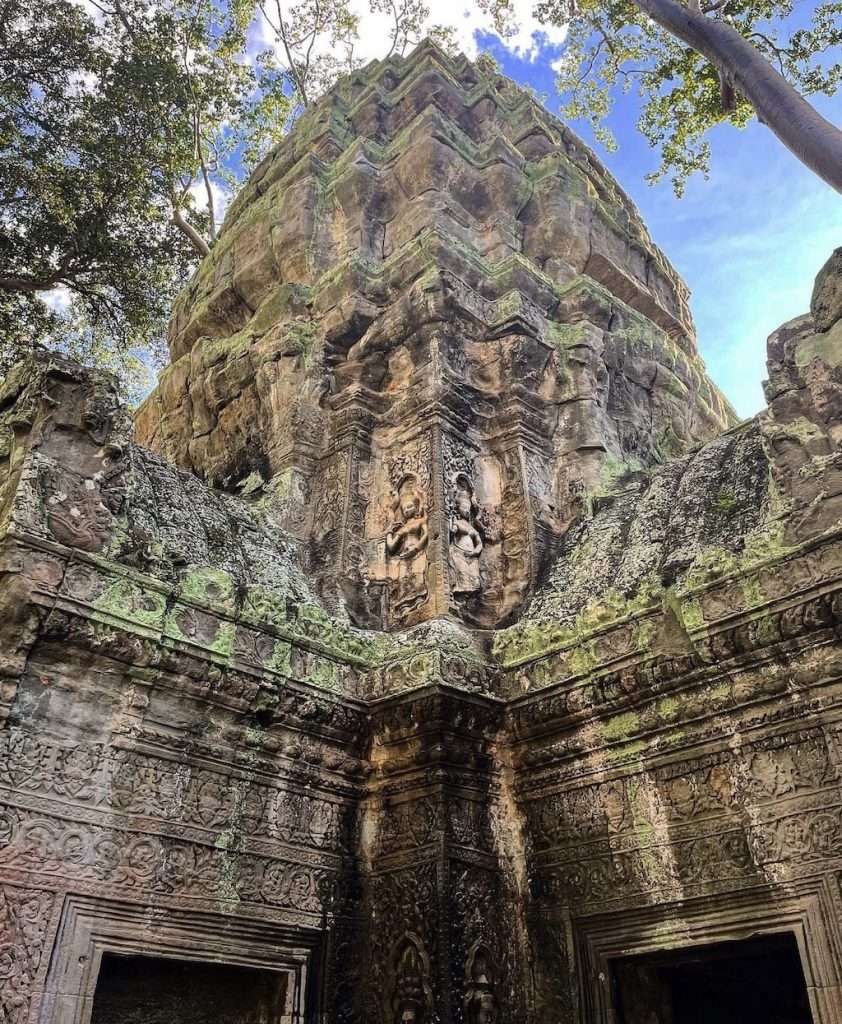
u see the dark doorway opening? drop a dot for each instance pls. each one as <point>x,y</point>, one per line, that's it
<point>755,981</point>
<point>160,990</point>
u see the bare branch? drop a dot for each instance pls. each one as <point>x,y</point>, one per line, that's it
<point>282,34</point>
<point>779,52</point>
<point>200,246</point>
<point>209,193</point>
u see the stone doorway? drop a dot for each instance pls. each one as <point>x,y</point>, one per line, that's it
<point>165,990</point>
<point>754,981</point>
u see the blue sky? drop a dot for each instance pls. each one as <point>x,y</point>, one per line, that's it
<point>748,241</point>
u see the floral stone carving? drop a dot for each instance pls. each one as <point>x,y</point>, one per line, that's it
<point>437,639</point>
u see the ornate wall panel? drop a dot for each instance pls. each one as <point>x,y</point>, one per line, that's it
<point>465,643</point>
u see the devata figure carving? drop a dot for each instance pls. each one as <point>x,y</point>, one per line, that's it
<point>480,1004</point>
<point>447,676</point>
<point>465,540</point>
<point>411,987</point>
<point>406,547</point>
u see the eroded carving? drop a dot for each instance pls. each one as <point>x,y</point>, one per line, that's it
<point>466,541</point>
<point>480,1001</point>
<point>24,919</point>
<point>412,1000</point>
<point>406,547</point>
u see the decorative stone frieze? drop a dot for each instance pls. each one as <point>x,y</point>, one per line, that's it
<point>434,636</point>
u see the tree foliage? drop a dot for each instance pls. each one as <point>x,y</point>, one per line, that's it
<point>123,123</point>
<point>80,220</point>
<point>114,119</point>
<point>618,44</point>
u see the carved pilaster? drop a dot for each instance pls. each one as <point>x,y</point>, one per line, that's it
<point>438,889</point>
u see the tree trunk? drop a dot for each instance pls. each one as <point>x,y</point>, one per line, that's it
<point>800,127</point>
<point>200,246</point>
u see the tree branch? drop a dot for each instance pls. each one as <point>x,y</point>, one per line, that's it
<point>778,51</point>
<point>800,127</point>
<point>28,286</point>
<point>209,192</point>
<point>280,31</point>
<point>124,21</point>
<point>200,246</point>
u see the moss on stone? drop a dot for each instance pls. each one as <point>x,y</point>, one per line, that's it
<point>668,708</point>
<point>625,752</point>
<point>125,599</point>
<point>263,606</point>
<point>530,638</point>
<point>208,587</point>
<point>281,660</point>
<point>211,351</point>
<point>719,694</point>
<point>690,613</point>
<point>620,727</point>
<point>613,470</point>
<point>220,645</point>
<point>270,311</point>
<point>710,564</point>
<point>725,501</point>
<point>752,590</point>
<point>324,673</point>
<point>827,347</point>
<point>300,337</point>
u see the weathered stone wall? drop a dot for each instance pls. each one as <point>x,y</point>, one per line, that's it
<point>203,757</point>
<point>186,755</point>
<point>150,774</point>
<point>675,713</point>
<point>431,322</point>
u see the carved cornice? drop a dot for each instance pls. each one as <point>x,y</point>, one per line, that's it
<point>769,613</point>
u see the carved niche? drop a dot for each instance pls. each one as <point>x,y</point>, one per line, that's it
<point>480,1000</point>
<point>406,547</point>
<point>466,540</point>
<point>412,998</point>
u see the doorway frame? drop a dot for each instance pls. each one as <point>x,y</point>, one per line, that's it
<point>90,928</point>
<point>809,914</point>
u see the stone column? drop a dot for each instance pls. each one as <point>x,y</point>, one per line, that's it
<point>437,886</point>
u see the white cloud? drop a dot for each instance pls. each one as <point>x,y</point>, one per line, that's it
<point>221,197</point>
<point>57,298</point>
<point>528,40</point>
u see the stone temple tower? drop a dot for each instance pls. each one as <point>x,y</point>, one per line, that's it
<point>433,323</point>
<point>433,646</point>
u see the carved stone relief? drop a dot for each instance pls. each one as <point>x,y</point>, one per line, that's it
<point>466,542</point>
<point>480,999</point>
<point>24,919</point>
<point>412,998</point>
<point>328,512</point>
<point>406,548</point>
<point>465,629</point>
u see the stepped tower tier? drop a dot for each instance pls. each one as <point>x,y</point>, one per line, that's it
<point>425,379</point>
<point>431,326</point>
